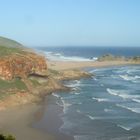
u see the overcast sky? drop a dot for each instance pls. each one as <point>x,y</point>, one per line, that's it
<point>71,22</point>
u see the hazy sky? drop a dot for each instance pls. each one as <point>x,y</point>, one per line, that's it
<point>71,22</point>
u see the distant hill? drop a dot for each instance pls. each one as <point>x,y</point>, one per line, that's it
<point>9,46</point>
<point>5,42</point>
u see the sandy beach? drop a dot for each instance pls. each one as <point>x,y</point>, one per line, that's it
<point>63,65</point>
<point>18,122</point>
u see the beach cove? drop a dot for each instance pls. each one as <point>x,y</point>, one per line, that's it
<point>27,110</point>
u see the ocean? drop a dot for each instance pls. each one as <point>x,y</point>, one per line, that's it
<point>104,107</point>
<point>86,53</point>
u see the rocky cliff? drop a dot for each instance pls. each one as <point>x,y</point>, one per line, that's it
<point>19,61</point>
<point>24,76</point>
<point>21,65</point>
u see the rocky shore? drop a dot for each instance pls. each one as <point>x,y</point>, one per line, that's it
<point>25,77</point>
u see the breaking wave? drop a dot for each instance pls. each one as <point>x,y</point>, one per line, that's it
<point>122,93</point>
<point>100,99</point>
<point>129,78</point>
<point>124,127</point>
<point>135,110</point>
<point>60,57</point>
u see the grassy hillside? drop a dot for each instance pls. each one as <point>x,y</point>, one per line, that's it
<point>9,43</point>
<point>8,47</point>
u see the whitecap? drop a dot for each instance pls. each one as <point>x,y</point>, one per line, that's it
<point>65,106</point>
<point>100,99</point>
<point>94,78</point>
<point>59,104</point>
<point>107,110</point>
<point>73,84</point>
<point>91,117</point>
<point>76,93</point>
<point>56,95</point>
<point>136,100</point>
<point>80,103</point>
<point>122,93</point>
<point>129,78</point>
<point>124,127</point>
<point>135,110</point>
<point>60,57</point>
<point>132,71</point>
<point>83,137</point>
<point>101,85</point>
<point>78,111</point>
<point>112,92</point>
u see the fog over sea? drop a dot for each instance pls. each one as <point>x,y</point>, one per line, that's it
<point>104,107</point>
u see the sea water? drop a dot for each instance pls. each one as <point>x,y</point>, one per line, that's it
<point>86,53</point>
<point>104,107</point>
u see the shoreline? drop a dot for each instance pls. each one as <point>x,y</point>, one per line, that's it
<point>63,65</point>
<point>52,113</point>
<point>18,122</point>
<point>27,112</point>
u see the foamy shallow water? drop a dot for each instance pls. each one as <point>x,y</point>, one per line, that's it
<point>104,107</point>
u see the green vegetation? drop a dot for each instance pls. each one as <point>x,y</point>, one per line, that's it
<point>35,82</point>
<point>9,43</point>
<point>110,57</point>
<point>11,87</point>
<point>9,137</point>
<point>8,46</point>
<point>53,72</point>
<point>8,51</point>
<point>14,84</point>
<point>136,58</point>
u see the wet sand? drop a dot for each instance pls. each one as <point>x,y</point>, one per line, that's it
<point>18,122</point>
<point>52,113</point>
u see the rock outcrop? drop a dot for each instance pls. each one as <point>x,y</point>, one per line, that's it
<point>21,65</point>
<point>24,76</point>
<point>110,57</point>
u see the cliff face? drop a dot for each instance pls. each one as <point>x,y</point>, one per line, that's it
<point>21,65</point>
<point>24,76</point>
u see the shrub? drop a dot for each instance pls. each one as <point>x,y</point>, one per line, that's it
<point>9,137</point>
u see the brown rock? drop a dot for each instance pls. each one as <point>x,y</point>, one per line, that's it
<point>22,65</point>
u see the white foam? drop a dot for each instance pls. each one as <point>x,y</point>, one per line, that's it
<point>76,93</point>
<point>101,85</point>
<point>91,117</point>
<point>124,127</point>
<point>75,83</point>
<point>56,95</point>
<point>78,111</point>
<point>135,110</point>
<point>83,137</point>
<point>130,71</point>
<point>65,106</point>
<point>60,57</point>
<point>129,78</point>
<point>59,104</point>
<point>112,92</point>
<point>107,110</point>
<point>95,78</point>
<point>122,93</point>
<point>136,100</point>
<point>100,99</point>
